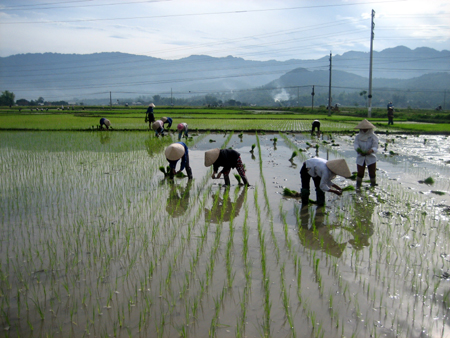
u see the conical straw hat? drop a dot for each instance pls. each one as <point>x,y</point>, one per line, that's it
<point>364,124</point>
<point>107,123</point>
<point>156,125</point>
<point>164,119</point>
<point>211,156</point>
<point>151,105</point>
<point>174,152</point>
<point>339,167</point>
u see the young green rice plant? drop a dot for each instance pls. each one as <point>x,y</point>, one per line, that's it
<point>294,154</point>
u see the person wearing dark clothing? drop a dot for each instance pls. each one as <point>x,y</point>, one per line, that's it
<point>315,124</point>
<point>390,108</point>
<point>322,172</point>
<point>167,120</point>
<point>105,122</point>
<point>149,117</point>
<point>226,158</point>
<point>175,152</point>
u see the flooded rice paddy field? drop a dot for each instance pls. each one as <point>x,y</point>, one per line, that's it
<point>95,242</point>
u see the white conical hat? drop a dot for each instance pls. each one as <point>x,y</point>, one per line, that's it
<point>174,152</point>
<point>107,123</point>
<point>164,119</point>
<point>339,167</point>
<point>211,156</point>
<point>364,124</point>
<point>151,105</point>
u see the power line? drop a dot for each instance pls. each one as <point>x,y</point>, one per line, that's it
<point>203,14</point>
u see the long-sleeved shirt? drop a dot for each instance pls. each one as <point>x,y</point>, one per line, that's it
<point>371,143</point>
<point>184,159</point>
<point>317,167</point>
<point>227,159</point>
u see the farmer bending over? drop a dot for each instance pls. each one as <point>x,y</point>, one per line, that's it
<point>158,127</point>
<point>182,128</point>
<point>167,120</point>
<point>322,173</point>
<point>105,122</point>
<point>173,153</point>
<point>226,158</point>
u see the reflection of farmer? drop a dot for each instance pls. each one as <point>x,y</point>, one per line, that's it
<point>168,121</point>
<point>224,208</point>
<point>322,173</point>
<point>178,200</point>
<point>149,117</point>
<point>366,145</point>
<point>105,122</point>
<point>105,138</point>
<point>390,109</point>
<point>182,128</point>
<point>175,152</point>
<point>315,124</point>
<point>315,234</point>
<point>158,127</point>
<point>226,158</point>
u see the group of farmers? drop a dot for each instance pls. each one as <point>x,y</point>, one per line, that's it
<point>320,170</point>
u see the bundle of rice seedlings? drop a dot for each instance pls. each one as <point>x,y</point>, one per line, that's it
<point>238,177</point>
<point>349,188</point>
<point>294,153</point>
<point>290,193</point>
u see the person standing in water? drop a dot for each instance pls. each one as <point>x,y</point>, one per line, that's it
<point>182,128</point>
<point>322,172</point>
<point>226,158</point>
<point>174,153</point>
<point>366,145</point>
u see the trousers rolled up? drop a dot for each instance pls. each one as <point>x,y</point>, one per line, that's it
<point>305,178</point>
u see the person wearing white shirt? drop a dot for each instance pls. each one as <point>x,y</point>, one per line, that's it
<point>366,145</point>
<point>322,172</point>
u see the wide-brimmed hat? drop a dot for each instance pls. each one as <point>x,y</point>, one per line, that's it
<point>107,123</point>
<point>164,119</point>
<point>364,124</point>
<point>174,152</point>
<point>211,156</point>
<point>151,105</point>
<point>156,125</point>
<point>339,167</point>
<point>180,126</point>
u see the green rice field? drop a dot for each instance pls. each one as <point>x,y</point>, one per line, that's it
<point>95,242</point>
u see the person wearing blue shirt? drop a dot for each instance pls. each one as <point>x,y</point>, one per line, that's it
<point>175,152</point>
<point>167,120</point>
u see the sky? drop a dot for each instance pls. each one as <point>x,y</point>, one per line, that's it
<point>251,29</point>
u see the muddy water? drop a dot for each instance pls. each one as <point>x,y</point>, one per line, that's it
<point>97,242</point>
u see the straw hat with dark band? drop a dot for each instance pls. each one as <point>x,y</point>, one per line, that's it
<point>174,152</point>
<point>211,156</point>
<point>339,167</point>
<point>364,124</point>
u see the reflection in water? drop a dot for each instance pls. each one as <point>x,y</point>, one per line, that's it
<point>105,138</point>
<point>223,209</point>
<point>316,233</point>
<point>178,200</point>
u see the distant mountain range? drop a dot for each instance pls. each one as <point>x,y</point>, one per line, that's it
<point>83,77</point>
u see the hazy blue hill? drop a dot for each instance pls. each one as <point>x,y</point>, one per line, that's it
<point>68,76</point>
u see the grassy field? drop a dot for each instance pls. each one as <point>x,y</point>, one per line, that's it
<point>214,119</point>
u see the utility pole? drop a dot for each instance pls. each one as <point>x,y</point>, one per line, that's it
<point>445,94</point>
<point>369,112</point>
<point>171,101</point>
<point>298,96</point>
<point>329,90</point>
<point>110,101</point>
<point>312,99</point>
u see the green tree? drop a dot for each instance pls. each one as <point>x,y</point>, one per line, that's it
<point>7,98</point>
